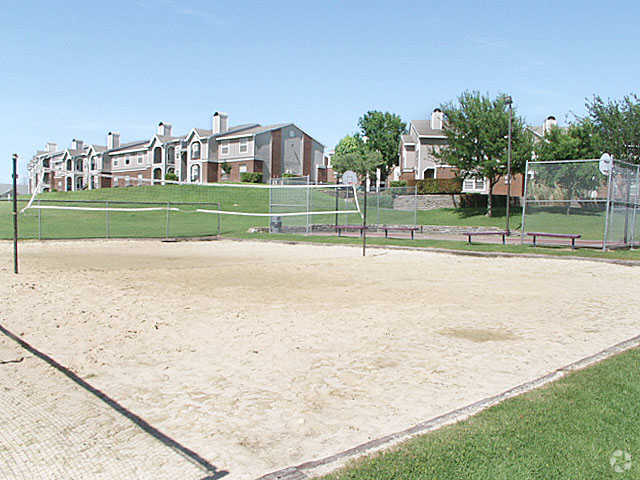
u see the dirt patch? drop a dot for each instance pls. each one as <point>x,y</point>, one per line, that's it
<point>479,335</point>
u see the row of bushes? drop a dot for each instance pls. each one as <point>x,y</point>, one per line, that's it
<point>432,185</point>
<point>251,177</point>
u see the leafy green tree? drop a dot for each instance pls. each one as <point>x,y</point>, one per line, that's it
<point>360,162</point>
<point>617,125</point>
<point>382,131</point>
<point>350,144</point>
<point>576,180</point>
<point>477,130</point>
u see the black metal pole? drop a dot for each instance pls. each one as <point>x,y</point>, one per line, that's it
<point>508,229</point>
<point>364,223</point>
<point>337,206</point>
<point>15,212</point>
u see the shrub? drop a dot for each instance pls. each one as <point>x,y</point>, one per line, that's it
<point>439,185</point>
<point>251,177</point>
<point>398,183</point>
<point>290,175</point>
<point>171,176</point>
<point>226,168</point>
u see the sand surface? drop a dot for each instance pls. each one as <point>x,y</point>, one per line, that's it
<point>259,356</point>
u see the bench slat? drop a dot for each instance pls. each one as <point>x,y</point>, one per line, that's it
<point>554,235</point>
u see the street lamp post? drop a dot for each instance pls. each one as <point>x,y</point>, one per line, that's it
<point>509,101</point>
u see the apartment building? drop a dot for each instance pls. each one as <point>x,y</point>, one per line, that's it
<point>221,153</point>
<point>417,159</point>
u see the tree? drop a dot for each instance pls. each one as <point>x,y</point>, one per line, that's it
<point>617,125</point>
<point>362,163</point>
<point>577,180</point>
<point>383,131</point>
<point>349,144</point>
<point>477,129</point>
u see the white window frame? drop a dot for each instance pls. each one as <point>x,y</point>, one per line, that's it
<point>116,162</point>
<point>199,150</point>
<point>140,159</point>
<point>243,168</point>
<point>244,145</point>
<point>225,145</point>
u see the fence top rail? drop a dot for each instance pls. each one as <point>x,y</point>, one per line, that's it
<point>551,162</point>
<point>568,200</point>
<point>615,160</point>
<point>120,202</point>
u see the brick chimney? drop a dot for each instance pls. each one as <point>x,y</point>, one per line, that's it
<point>164,129</point>
<point>52,147</point>
<point>113,140</point>
<point>549,123</point>
<point>436,119</point>
<point>220,122</point>
<point>76,144</point>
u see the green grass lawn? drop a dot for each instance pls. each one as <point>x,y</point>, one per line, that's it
<point>566,430</point>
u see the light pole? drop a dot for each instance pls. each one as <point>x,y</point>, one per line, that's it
<point>509,101</point>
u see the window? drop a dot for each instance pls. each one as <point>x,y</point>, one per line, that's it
<point>69,165</point>
<point>93,163</point>
<point>195,173</point>
<point>79,165</point>
<point>243,168</point>
<point>115,162</point>
<point>224,148</point>
<point>127,160</point>
<point>195,150</point>
<point>244,145</point>
<point>473,184</point>
<point>140,159</point>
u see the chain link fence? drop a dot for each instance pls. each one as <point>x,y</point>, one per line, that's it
<point>585,197</point>
<point>61,219</point>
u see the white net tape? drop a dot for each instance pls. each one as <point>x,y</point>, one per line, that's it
<point>131,181</point>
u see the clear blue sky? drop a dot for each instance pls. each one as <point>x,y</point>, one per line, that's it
<point>78,69</point>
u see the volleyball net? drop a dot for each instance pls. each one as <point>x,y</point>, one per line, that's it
<point>120,206</point>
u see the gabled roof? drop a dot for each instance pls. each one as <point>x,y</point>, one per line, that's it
<point>255,130</point>
<point>236,130</point>
<point>408,139</point>
<point>137,145</point>
<point>423,127</point>
<point>165,139</point>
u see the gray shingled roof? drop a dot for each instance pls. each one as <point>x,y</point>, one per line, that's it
<point>167,138</point>
<point>408,139</point>
<point>204,132</point>
<point>424,129</point>
<point>257,129</point>
<point>126,146</point>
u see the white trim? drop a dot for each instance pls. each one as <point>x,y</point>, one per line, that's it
<point>298,214</point>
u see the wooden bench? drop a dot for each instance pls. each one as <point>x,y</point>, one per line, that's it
<point>503,233</point>
<point>412,230</point>
<point>571,236</point>
<point>359,228</point>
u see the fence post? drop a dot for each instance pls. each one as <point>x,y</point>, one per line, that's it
<point>364,223</point>
<point>634,218</point>
<point>308,204</point>
<point>166,234</point>
<point>524,205</point>
<point>606,221</point>
<point>39,221</point>
<point>220,219</point>
<point>107,219</point>
<point>415,205</point>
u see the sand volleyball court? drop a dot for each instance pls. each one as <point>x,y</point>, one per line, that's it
<point>257,356</point>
